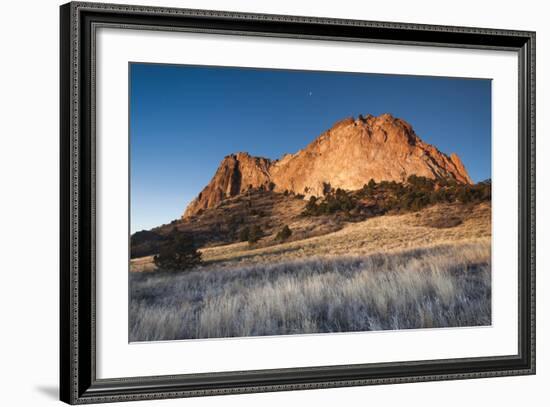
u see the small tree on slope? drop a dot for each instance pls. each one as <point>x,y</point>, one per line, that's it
<point>178,254</point>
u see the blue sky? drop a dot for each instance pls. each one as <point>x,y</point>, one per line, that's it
<point>185,119</point>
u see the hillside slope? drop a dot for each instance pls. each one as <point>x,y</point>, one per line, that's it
<point>435,225</point>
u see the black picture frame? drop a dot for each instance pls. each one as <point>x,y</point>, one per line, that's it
<point>78,382</point>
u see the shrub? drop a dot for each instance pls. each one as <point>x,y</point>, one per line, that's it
<point>234,221</point>
<point>419,182</point>
<point>312,203</point>
<point>333,205</point>
<point>255,234</point>
<point>417,193</point>
<point>414,200</point>
<point>178,254</point>
<point>311,208</point>
<point>145,243</point>
<point>244,234</point>
<point>284,233</point>
<point>482,190</point>
<point>368,190</point>
<point>338,201</point>
<point>345,200</point>
<point>465,195</point>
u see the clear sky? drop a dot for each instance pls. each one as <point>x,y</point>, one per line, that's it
<point>185,119</point>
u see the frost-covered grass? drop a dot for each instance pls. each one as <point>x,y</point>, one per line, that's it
<point>439,286</point>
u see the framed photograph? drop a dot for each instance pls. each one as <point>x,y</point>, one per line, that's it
<point>255,203</point>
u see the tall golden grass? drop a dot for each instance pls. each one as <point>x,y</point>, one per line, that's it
<point>440,285</point>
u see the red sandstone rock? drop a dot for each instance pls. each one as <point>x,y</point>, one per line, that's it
<point>346,156</point>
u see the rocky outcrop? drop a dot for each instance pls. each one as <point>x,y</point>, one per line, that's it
<point>235,174</point>
<point>347,156</point>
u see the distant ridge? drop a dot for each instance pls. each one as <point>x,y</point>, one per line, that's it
<point>347,156</point>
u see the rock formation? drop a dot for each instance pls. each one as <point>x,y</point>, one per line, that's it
<point>235,174</point>
<point>346,156</point>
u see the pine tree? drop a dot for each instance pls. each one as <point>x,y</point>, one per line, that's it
<point>244,234</point>
<point>178,254</point>
<point>284,233</point>
<point>255,234</point>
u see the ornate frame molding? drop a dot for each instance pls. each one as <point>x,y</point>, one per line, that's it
<point>79,384</point>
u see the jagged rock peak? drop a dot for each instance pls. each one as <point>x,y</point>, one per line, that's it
<point>347,156</point>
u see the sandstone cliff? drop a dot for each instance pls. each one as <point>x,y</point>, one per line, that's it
<point>346,156</point>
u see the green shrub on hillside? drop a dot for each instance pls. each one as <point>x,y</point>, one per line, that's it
<point>422,183</point>
<point>284,233</point>
<point>415,194</point>
<point>337,201</point>
<point>244,234</point>
<point>177,254</point>
<point>255,234</point>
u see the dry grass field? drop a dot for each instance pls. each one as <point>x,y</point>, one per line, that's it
<point>425,269</point>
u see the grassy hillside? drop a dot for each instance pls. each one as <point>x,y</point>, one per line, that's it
<point>269,212</point>
<point>221,225</point>
<point>439,286</point>
<point>429,268</point>
<point>439,224</point>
